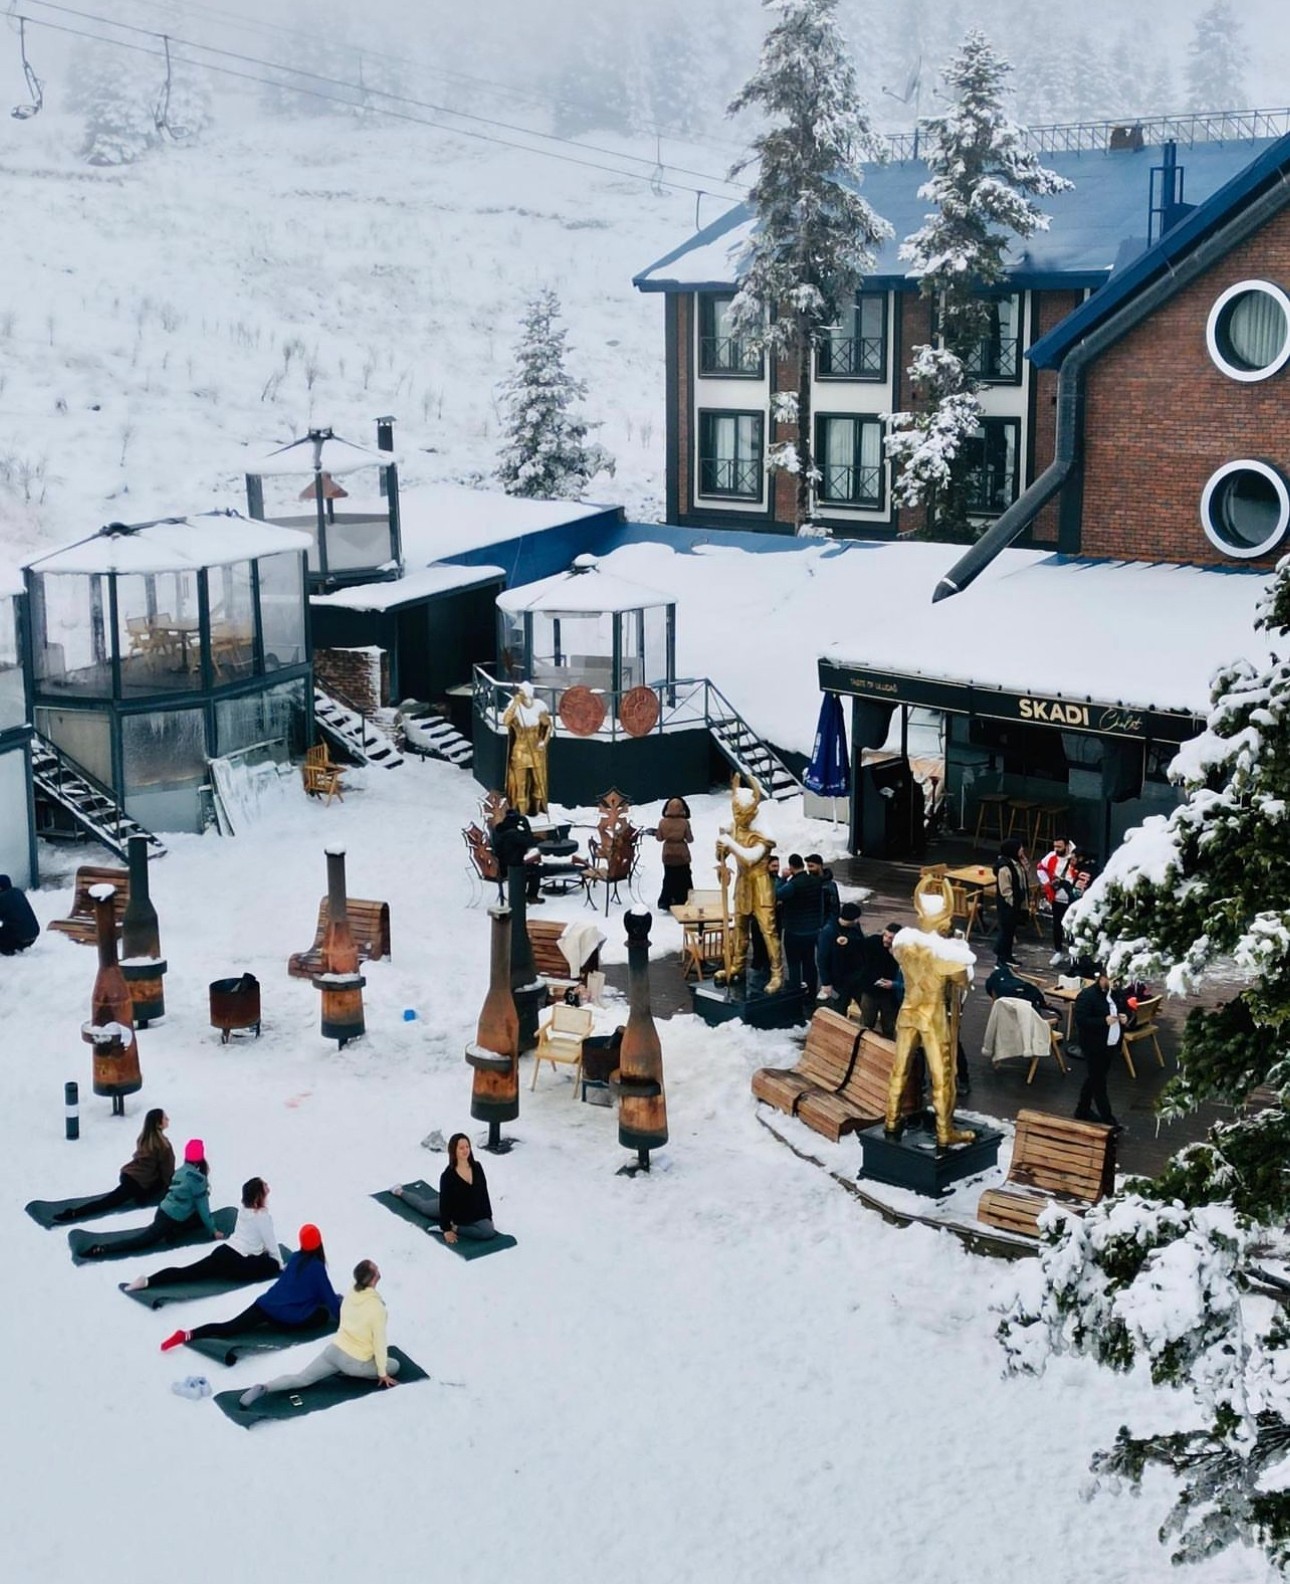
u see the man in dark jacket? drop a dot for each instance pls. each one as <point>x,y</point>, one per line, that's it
<point>846,956</point>
<point>830,904</point>
<point>1101,1017</point>
<point>513,842</point>
<point>878,976</point>
<point>801,899</point>
<point>18,926</point>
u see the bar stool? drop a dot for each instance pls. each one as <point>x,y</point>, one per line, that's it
<point>1050,822</point>
<point>1022,809</point>
<point>989,813</point>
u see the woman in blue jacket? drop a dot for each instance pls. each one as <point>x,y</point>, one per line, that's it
<point>301,1296</point>
<point>186,1207</point>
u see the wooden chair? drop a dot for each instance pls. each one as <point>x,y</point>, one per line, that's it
<point>966,906</point>
<point>1055,1050</point>
<point>322,777</point>
<point>611,862</point>
<point>492,809</point>
<point>932,871</point>
<point>483,861</point>
<point>79,924</point>
<point>369,925</point>
<point>549,960</point>
<point>560,1040</point>
<point>1054,1160</point>
<point>702,946</point>
<point>989,817</point>
<point>1144,1029</point>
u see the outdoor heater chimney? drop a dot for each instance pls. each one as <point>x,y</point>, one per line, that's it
<point>339,980</point>
<point>110,1030</point>
<point>494,1052</point>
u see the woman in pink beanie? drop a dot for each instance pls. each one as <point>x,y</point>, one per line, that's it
<point>185,1208</point>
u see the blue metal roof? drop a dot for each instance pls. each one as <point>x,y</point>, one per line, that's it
<point>1269,165</point>
<point>1090,225</point>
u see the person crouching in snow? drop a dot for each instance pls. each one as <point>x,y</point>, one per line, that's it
<point>186,1207</point>
<point>251,1253</point>
<point>358,1348</point>
<point>302,1296</point>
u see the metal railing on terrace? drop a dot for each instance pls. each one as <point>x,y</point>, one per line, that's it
<point>683,705</point>
<point>1201,126</point>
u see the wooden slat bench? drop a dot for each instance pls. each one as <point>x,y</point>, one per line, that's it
<point>840,1084</point>
<point>80,922</point>
<point>369,924</point>
<point>550,961</point>
<point>1055,1160</point>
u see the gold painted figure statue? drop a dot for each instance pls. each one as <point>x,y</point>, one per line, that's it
<point>931,966</point>
<point>754,886</point>
<point>528,725</point>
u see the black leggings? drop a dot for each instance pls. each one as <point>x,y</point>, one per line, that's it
<point>126,1192</point>
<point>249,1320</point>
<point>220,1262</point>
<point>162,1229</point>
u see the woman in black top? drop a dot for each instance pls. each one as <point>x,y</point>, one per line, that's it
<point>462,1206</point>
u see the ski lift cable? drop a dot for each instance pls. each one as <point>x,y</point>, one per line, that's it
<point>403,99</point>
<point>317,93</point>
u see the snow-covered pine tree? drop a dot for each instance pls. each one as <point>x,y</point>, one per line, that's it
<point>1172,1272</point>
<point>814,236</point>
<point>545,451</point>
<point>113,92</point>
<point>982,182</point>
<point>1216,60</point>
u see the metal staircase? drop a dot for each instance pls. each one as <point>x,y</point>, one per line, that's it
<point>364,739</point>
<point>748,754</point>
<point>93,807</point>
<point>432,737</point>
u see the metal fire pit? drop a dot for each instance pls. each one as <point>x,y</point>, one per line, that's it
<point>235,1004</point>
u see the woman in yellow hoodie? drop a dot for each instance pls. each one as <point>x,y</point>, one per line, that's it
<point>358,1347</point>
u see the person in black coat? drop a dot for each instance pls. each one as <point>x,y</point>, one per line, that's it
<point>879,974</point>
<point>846,956</point>
<point>801,898</point>
<point>513,842</point>
<point>18,926</point>
<point>1012,877</point>
<point>462,1206</point>
<point>830,907</point>
<point>1101,1017</point>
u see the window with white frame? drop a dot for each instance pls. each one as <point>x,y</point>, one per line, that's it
<point>724,352</point>
<point>1248,331</point>
<point>1245,509</point>
<point>856,347</point>
<point>992,456</point>
<point>848,454</point>
<point>996,357</point>
<point>730,455</point>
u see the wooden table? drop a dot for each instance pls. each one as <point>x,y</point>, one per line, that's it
<point>976,875</point>
<point>1067,997</point>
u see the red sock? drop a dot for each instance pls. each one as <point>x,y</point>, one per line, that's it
<point>174,1340</point>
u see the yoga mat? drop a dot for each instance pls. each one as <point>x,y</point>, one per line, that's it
<point>322,1394</point>
<point>44,1210</point>
<point>186,1292</point>
<point>79,1241</point>
<point>465,1248</point>
<point>260,1339</point>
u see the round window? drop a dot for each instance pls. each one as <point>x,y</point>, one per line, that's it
<point>1248,333</point>
<point>1245,509</point>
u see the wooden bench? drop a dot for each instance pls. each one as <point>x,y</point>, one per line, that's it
<point>550,962</point>
<point>1055,1160</point>
<point>321,777</point>
<point>369,924</point>
<point>840,1084</point>
<point>80,922</point>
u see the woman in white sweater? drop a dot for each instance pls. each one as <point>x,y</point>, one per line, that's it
<point>249,1254</point>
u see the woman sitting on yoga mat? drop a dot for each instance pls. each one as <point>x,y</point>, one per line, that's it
<point>302,1296</point>
<point>249,1255</point>
<point>144,1177</point>
<point>359,1345</point>
<point>462,1206</point>
<point>185,1207</point>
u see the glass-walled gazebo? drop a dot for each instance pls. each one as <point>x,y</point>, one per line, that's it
<point>17,819</point>
<point>154,647</point>
<point>355,542</point>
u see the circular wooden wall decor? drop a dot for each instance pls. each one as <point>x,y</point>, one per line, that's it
<point>582,712</point>
<point>638,711</point>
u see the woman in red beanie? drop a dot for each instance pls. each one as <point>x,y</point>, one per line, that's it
<point>185,1208</point>
<point>302,1296</point>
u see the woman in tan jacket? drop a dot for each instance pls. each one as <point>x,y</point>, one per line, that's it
<point>673,830</point>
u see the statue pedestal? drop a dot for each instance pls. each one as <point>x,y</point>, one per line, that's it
<point>717,1004</point>
<point>914,1162</point>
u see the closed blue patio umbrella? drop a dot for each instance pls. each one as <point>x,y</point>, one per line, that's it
<point>829,772</point>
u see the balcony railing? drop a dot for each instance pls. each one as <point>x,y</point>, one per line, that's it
<point>991,490</point>
<point>845,485</point>
<point>850,357</point>
<point>684,705</point>
<point>995,359</point>
<point>729,355</point>
<point>724,476</point>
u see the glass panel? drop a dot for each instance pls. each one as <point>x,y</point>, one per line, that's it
<point>992,456</point>
<point>510,643</point>
<point>631,645</point>
<point>721,350</point>
<point>997,356</point>
<point>83,735</point>
<point>13,704</point>
<point>15,818</point>
<point>1246,510</point>
<point>69,623</point>
<point>276,714</point>
<point>573,646</point>
<point>157,633</point>
<point>358,543</point>
<point>1256,330</point>
<point>282,610</point>
<point>228,588</point>
<point>164,756</point>
<point>730,454</point>
<point>851,464</point>
<point>656,666</point>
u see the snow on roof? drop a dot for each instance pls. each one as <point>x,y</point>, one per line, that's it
<point>297,457</point>
<point>446,519</point>
<point>427,582</point>
<point>756,623</point>
<point>585,588</point>
<point>174,544</point>
<point>1107,207</point>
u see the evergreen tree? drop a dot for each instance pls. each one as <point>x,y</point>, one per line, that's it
<point>1169,1271</point>
<point>112,92</point>
<point>1216,59</point>
<point>814,235</point>
<point>982,180</point>
<point>546,453</point>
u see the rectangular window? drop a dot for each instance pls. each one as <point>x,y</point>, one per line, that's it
<point>993,453</point>
<point>730,455</point>
<point>721,351</point>
<point>848,453</point>
<point>996,357</point>
<point>856,347</point>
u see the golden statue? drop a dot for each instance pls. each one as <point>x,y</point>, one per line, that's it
<point>931,966</point>
<point>528,725</point>
<point>754,886</point>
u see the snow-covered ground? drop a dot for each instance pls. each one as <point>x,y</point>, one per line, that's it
<point>726,1371</point>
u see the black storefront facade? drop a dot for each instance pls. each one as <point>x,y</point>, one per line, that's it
<point>1105,760</point>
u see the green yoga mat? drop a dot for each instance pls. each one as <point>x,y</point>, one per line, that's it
<point>186,1292</point>
<point>260,1339</point>
<point>464,1248</point>
<point>328,1393</point>
<point>79,1241</point>
<point>44,1210</point>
